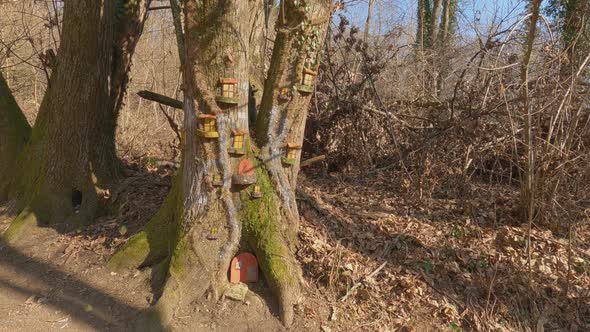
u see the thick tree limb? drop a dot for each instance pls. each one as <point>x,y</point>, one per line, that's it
<point>158,98</point>
<point>159,7</point>
<point>313,160</point>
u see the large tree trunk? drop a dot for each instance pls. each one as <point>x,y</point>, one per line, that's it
<point>14,134</point>
<point>197,262</point>
<point>71,158</point>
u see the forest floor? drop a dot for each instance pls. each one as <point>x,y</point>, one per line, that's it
<point>374,260</point>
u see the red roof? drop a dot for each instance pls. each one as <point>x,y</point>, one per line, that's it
<point>240,132</point>
<point>207,116</point>
<point>226,80</point>
<point>309,71</point>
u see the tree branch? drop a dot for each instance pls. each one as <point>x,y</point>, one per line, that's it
<point>158,98</point>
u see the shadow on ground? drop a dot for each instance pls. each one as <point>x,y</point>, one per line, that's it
<point>77,299</point>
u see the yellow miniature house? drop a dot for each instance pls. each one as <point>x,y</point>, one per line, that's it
<point>256,192</point>
<point>208,126</point>
<point>285,94</point>
<point>239,142</point>
<point>229,91</point>
<point>217,180</point>
<point>306,85</point>
<point>291,156</point>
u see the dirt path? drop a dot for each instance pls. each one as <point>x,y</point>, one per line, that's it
<point>59,282</point>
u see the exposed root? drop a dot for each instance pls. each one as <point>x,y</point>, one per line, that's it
<point>264,227</point>
<point>190,276</point>
<point>24,222</point>
<point>155,242</point>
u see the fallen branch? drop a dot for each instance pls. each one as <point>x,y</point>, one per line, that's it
<point>158,98</point>
<point>358,284</point>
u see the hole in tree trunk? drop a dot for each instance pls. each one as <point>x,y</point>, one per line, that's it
<point>76,200</point>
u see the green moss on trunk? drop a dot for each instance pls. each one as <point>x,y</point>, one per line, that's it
<point>14,134</point>
<point>264,232</point>
<point>25,221</point>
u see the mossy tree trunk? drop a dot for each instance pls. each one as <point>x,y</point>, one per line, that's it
<point>14,134</point>
<point>203,224</point>
<point>70,159</point>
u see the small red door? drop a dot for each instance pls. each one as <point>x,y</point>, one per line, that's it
<point>244,268</point>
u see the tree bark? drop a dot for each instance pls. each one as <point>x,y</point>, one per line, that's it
<point>14,134</point>
<point>217,44</point>
<point>434,22</point>
<point>527,193</point>
<point>71,160</point>
<point>445,42</point>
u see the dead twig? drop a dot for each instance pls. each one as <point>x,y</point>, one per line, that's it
<point>358,284</point>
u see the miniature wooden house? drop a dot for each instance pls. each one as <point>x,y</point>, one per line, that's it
<point>256,192</point>
<point>246,174</point>
<point>291,156</point>
<point>217,180</point>
<point>229,91</point>
<point>238,146</point>
<point>208,126</point>
<point>306,85</point>
<point>285,94</point>
<point>213,234</point>
<point>243,268</point>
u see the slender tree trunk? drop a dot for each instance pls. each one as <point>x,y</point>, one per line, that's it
<point>434,22</point>
<point>14,134</point>
<point>71,160</point>
<point>206,221</point>
<point>368,21</point>
<point>445,42</point>
<point>421,31</point>
<point>528,184</point>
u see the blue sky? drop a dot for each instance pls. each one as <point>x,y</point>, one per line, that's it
<point>392,12</point>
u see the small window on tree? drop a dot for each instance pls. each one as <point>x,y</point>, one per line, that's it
<point>208,126</point>
<point>291,156</point>
<point>239,141</point>
<point>306,85</point>
<point>256,192</point>
<point>217,180</point>
<point>308,77</point>
<point>229,92</point>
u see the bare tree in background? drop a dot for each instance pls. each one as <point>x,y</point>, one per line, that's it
<point>69,160</point>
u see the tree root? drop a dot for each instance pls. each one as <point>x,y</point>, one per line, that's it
<point>25,221</point>
<point>195,264</point>
<point>267,232</point>
<point>155,242</point>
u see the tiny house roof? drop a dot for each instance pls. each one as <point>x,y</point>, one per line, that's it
<point>207,116</point>
<point>293,146</point>
<point>309,71</point>
<point>227,80</point>
<point>240,132</point>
